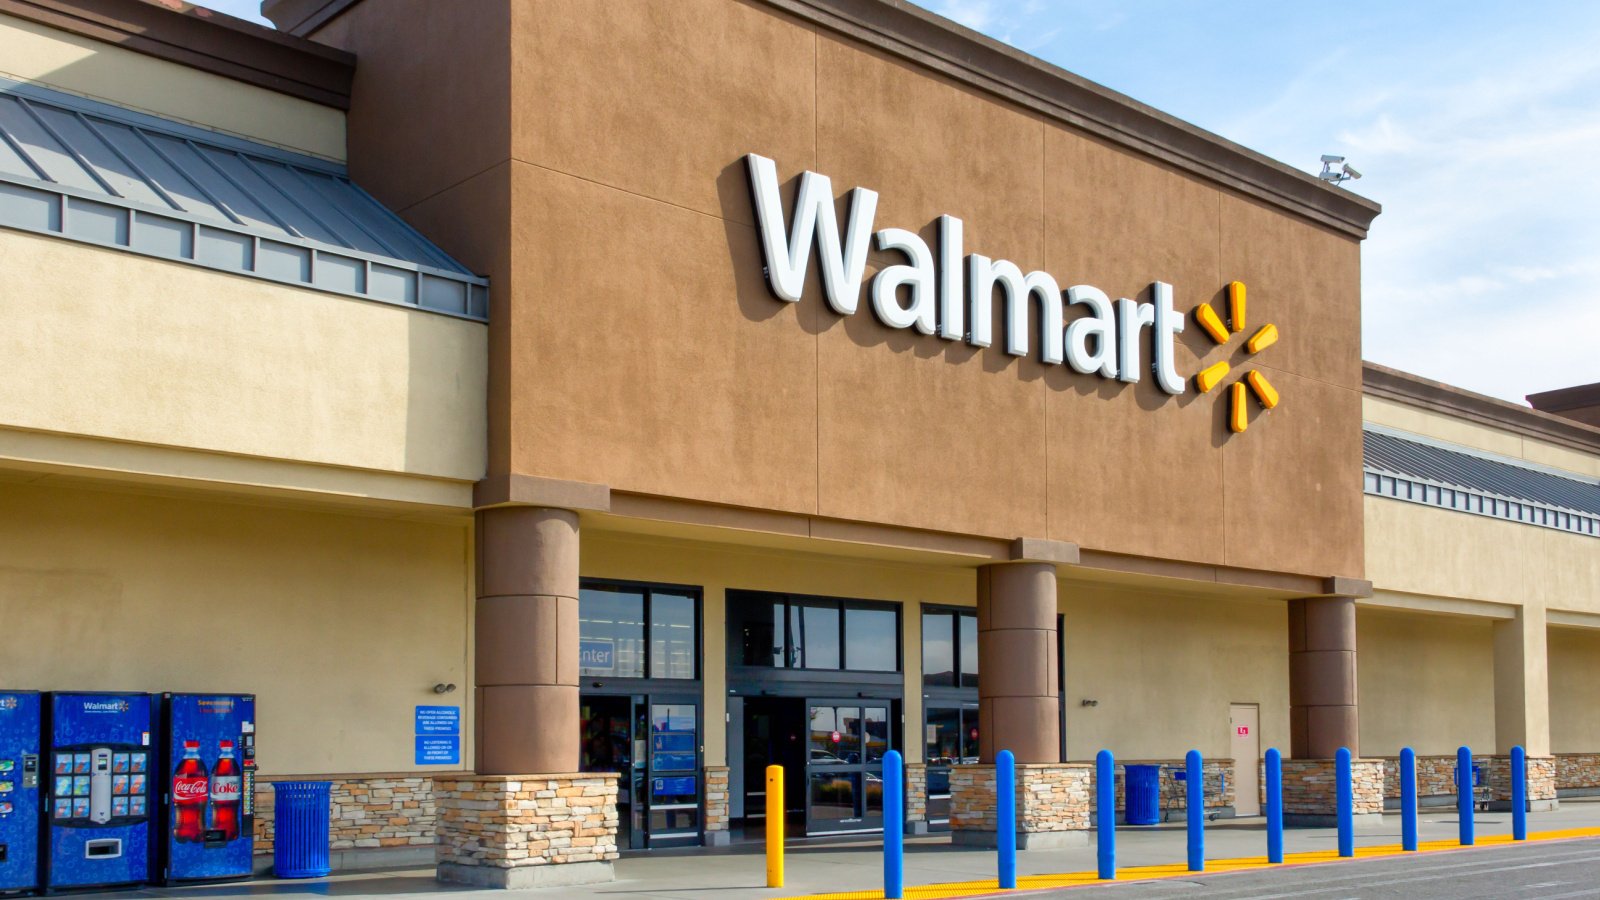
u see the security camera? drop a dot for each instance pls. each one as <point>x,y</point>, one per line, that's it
<point>1351,172</point>
<point>1330,158</point>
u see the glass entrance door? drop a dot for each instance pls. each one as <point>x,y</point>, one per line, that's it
<point>612,741</point>
<point>846,741</point>
<point>653,743</point>
<point>674,777</point>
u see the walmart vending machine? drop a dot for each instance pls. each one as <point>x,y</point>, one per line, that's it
<point>19,790</point>
<point>99,772</point>
<point>209,741</point>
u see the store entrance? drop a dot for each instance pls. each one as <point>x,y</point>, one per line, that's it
<point>653,743</point>
<point>831,751</point>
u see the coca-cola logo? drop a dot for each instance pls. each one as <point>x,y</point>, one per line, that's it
<point>224,789</point>
<point>190,789</point>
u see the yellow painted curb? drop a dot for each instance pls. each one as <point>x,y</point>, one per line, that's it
<point>990,886</point>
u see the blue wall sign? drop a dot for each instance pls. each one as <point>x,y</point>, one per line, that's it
<point>438,720</point>
<point>438,750</point>
<point>595,654</point>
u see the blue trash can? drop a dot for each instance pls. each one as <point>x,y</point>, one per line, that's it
<point>300,828</point>
<point>1143,795</point>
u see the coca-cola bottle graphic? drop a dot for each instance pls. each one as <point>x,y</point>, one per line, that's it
<point>225,788</point>
<point>190,787</point>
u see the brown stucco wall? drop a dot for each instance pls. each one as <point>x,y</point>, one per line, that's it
<point>635,343</point>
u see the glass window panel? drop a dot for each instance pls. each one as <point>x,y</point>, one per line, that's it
<point>876,723</point>
<point>969,649</point>
<point>969,736</point>
<point>938,649</point>
<point>674,737</point>
<point>824,723</point>
<point>757,629</point>
<point>833,795</point>
<point>873,794</point>
<point>943,738</point>
<point>873,639</point>
<point>673,641</point>
<point>814,628</point>
<point>611,632</point>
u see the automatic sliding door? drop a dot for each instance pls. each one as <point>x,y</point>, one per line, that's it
<point>846,742</point>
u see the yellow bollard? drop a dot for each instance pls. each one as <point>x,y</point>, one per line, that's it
<point>775,812</point>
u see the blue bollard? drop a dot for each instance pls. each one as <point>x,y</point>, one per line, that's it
<point>1105,784</point>
<point>1345,803</point>
<point>1519,793</point>
<point>894,826</point>
<point>1408,799</point>
<point>1274,806</point>
<point>1464,794</point>
<point>1005,786</point>
<point>1197,811</point>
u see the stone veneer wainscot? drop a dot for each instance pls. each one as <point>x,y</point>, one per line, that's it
<point>524,831</point>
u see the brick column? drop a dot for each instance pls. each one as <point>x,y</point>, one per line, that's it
<point>1322,677</point>
<point>1018,706</point>
<point>527,641</point>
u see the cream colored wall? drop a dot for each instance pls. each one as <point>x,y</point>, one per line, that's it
<point>1419,549</point>
<point>1574,687</point>
<point>90,68</point>
<point>1424,681</point>
<point>1479,437</point>
<point>717,568</point>
<point>339,624</point>
<point>1165,668</point>
<point>111,345</point>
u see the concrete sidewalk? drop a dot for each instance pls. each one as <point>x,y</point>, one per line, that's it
<point>830,866</point>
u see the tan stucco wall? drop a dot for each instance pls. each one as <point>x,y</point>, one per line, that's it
<point>1574,687</point>
<point>1425,681</point>
<point>338,624</point>
<point>110,345</point>
<point>1164,669</point>
<point>102,71</point>
<point>645,240</point>
<point>1479,437</point>
<point>1418,549</point>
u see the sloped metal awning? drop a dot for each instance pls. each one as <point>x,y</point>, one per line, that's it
<point>93,172</point>
<point>1424,472</point>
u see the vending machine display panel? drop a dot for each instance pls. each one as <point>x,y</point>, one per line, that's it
<point>208,772</point>
<point>92,840</point>
<point>19,790</point>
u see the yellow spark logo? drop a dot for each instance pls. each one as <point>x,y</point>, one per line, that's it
<point>1212,375</point>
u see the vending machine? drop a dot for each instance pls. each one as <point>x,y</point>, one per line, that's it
<point>19,790</point>
<point>208,773</point>
<point>98,811</point>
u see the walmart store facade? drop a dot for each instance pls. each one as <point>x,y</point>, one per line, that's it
<point>683,388</point>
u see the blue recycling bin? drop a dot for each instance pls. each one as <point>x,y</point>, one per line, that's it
<point>1143,795</point>
<point>300,828</point>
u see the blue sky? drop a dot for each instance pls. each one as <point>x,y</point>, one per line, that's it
<point>1475,124</point>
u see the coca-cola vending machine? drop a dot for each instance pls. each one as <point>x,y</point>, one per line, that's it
<point>208,791</point>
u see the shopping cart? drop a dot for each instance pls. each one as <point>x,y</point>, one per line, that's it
<point>1175,789</point>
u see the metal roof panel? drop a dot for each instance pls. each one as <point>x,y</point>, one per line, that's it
<point>93,172</point>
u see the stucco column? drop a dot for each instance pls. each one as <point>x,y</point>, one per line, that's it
<point>1018,709</point>
<point>1522,683</point>
<point>527,641</point>
<point>1322,677</point>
